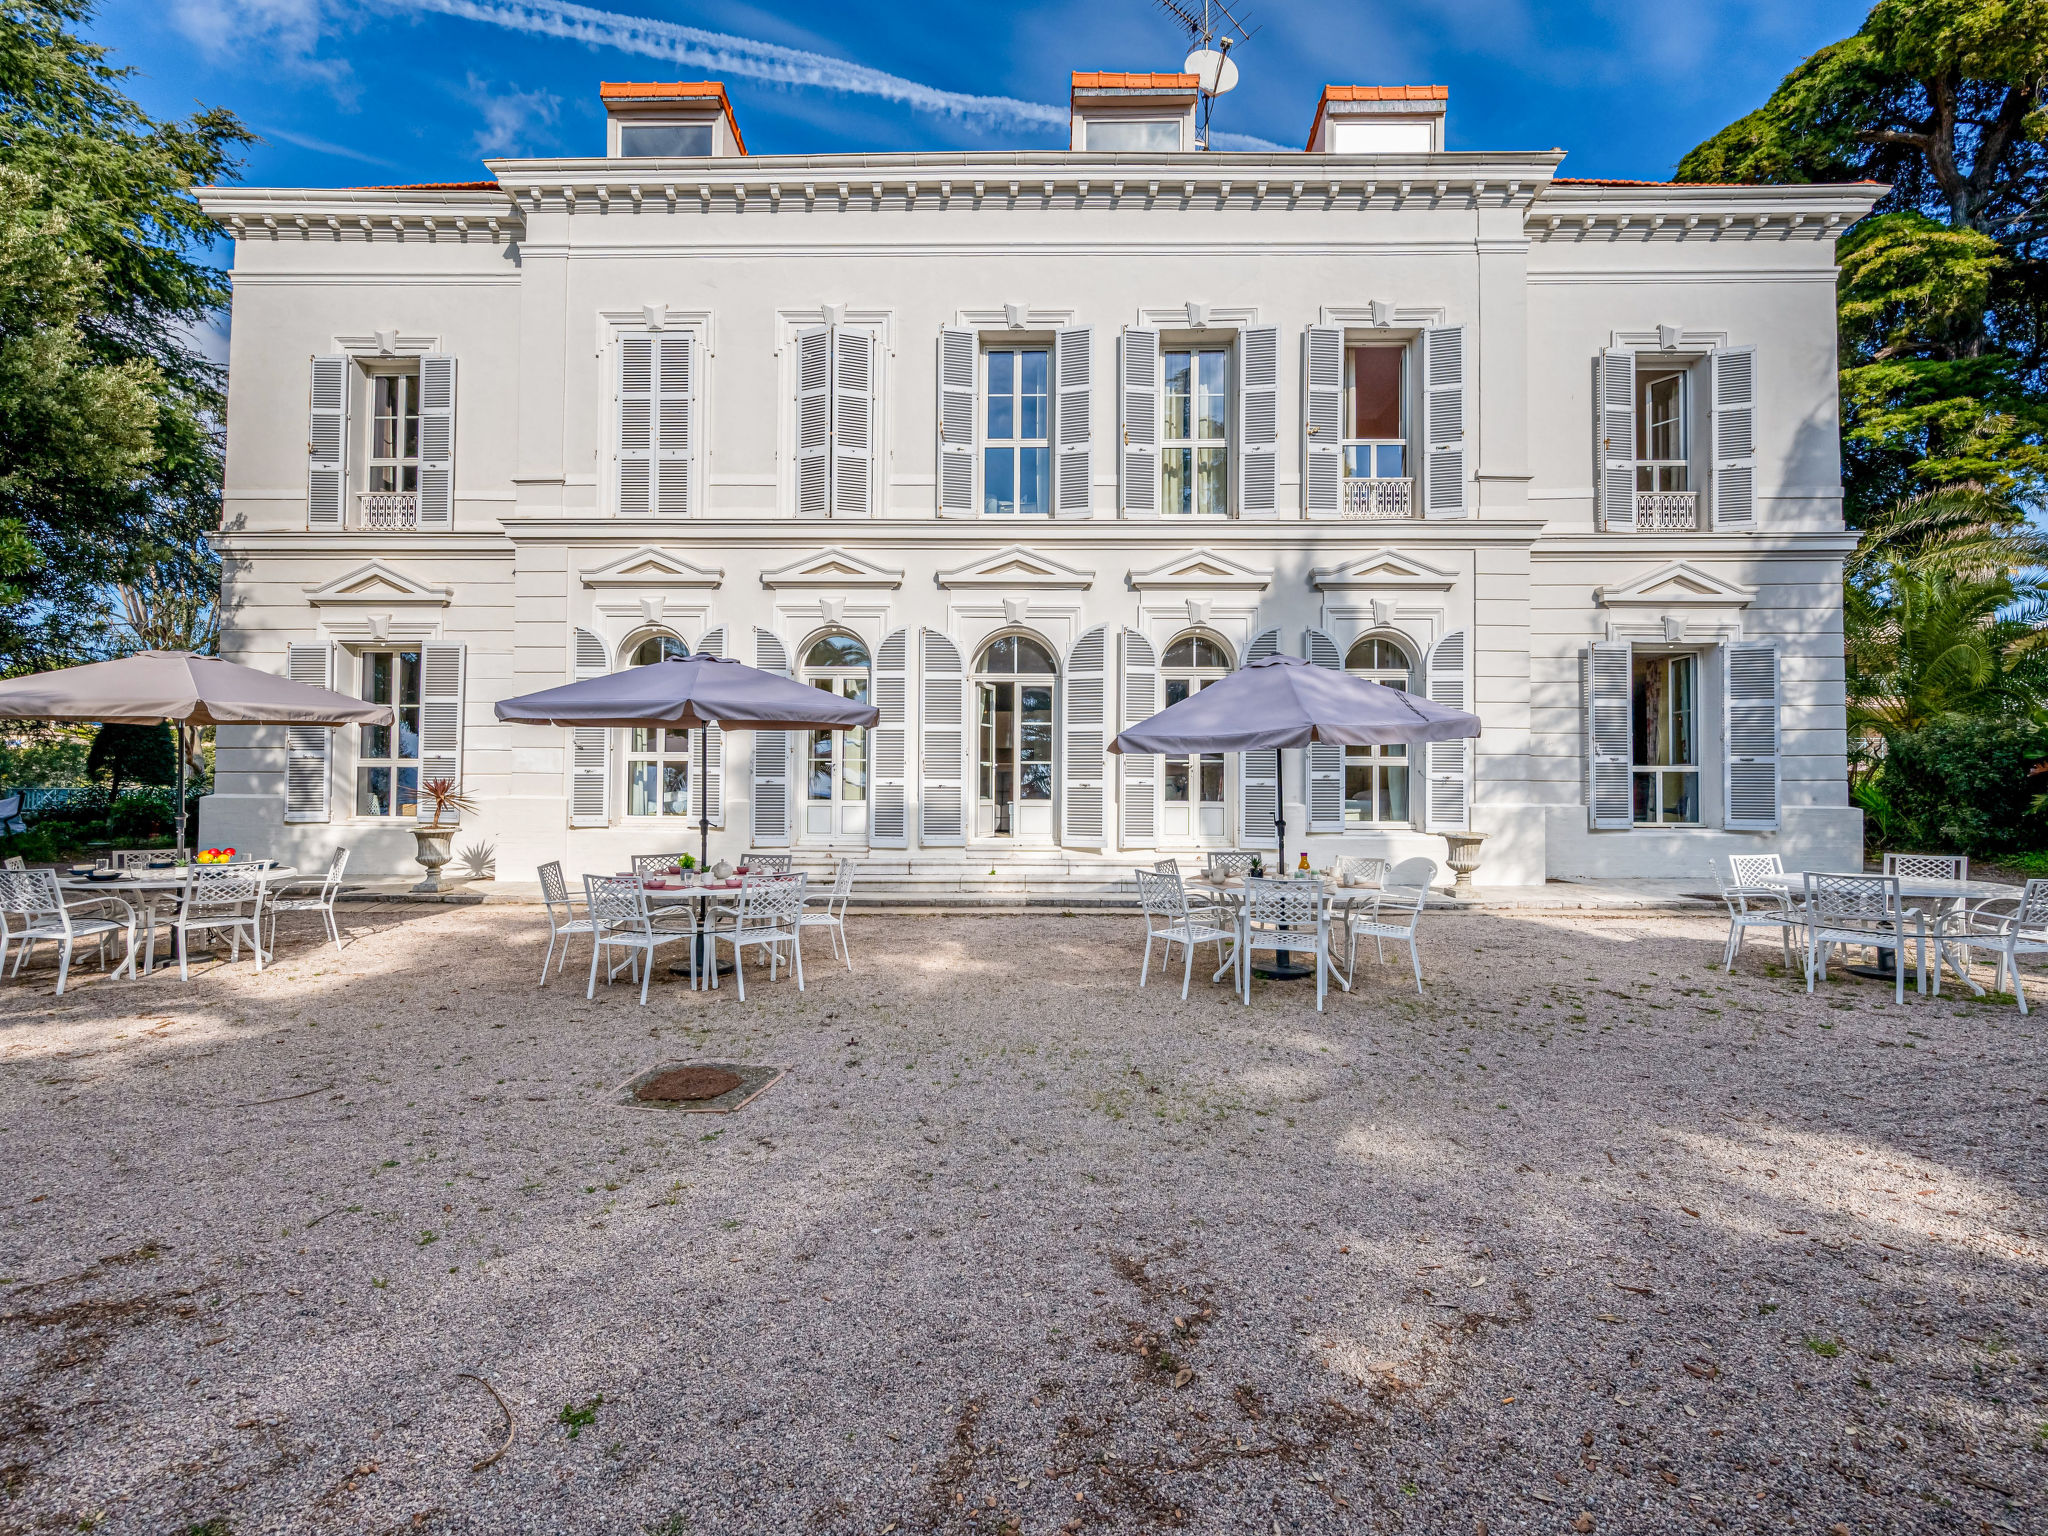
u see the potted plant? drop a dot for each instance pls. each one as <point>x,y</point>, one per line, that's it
<point>433,837</point>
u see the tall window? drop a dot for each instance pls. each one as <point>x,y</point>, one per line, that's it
<point>394,463</point>
<point>658,761</point>
<point>1375,425</point>
<point>1014,684</point>
<point>1664,726</point>
<point>1016,456</point>
<point>388,764</point>
<point>1376,777</point>
<point>836,764</point>
<point>1192,786</point>
<point>1194,459</point>
<point>1660,433</point>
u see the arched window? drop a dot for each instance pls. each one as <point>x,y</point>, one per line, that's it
<point>1376,778</point>
<point>836,762</point>
<point>657,761</point>
<point>1014,680</point>
<point>1192,789</point>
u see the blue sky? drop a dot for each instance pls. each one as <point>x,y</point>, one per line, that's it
<point>353,92</point>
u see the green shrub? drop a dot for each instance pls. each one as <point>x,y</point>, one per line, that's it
<point>1965,785</point>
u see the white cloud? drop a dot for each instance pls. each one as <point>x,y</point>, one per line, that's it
<point>292,30</point>
<point>509,116</point>
<point>322,147</point>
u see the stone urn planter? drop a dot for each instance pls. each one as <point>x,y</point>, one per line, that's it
<point>1464,859</point>
<point>432,852</point>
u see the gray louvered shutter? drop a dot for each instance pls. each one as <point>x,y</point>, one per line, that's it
<point>1137,460</point>
<point>942,744</point>
<point>771,755</point>
<point>590,746</point>
<point>634,450</point>
<point>1325,758</point>
<point>436,504</point>
<point>853,423</point>
<point>1448,780</point>
<point>1734,431</point>
<point>675,400</point>
<point>1443,415</point>
<point>814,423</point>
<point>1084,742</point>
<point>1751,672</point>
<point>1138,772</point>
<point>1073,361</point>
<point>441,683</point>
<point>327,449</point>
<point>712,784</point>
<point>308,749</point>
<point>889,746</point>
<point>1258,779</point>
<point>1322,426</point>
<point>1258,421</point>
<point>1614,431</point>
<point>1610,800</point>
<point>959,362</point>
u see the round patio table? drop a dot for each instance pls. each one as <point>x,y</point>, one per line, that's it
<point>666,895</point>
<point>1284,967</point>
<point>1948,896</point>
<point>173,879</point>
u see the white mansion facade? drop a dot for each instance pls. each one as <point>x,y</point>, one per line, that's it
<point>1022,447</point>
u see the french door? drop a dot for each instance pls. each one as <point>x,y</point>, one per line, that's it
<point>1191,790</point>
<point>836,772</point>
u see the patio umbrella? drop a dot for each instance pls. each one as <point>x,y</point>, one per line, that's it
<point>185,689</point>
<point>1284,701</point>
<point>684,693</point>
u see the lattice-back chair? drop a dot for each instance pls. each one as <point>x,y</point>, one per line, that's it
<point>619,919</point>
<point>1234,861</point>
<point>1389,915</point>
<point>132,858</point>
<point>769,915</point>
<point>216,897</point>
<point>1288,915</point>
<point>1171,920</point>
<point>771,864</point>
<point>1358,869</point>
<point>1928,866</point>
<point>315,894</point>
<point>562,919</point>
<point>2008,935</point>
<point>1754,871</point>
<point>1756,906</point>
<point>831,915</point>
<point>654,865</point>
<point>34,897</point>
<point>1861,910</point>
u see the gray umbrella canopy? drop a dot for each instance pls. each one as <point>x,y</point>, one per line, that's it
<point>154,686</point>
<point>1283,701</point>
<point>683,693</point>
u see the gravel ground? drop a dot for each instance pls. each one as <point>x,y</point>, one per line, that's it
<point>1590,1238</point>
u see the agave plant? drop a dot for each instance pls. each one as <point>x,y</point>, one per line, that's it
<point>446,795</point>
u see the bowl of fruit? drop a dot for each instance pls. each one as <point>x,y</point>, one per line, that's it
<point>215,856</point>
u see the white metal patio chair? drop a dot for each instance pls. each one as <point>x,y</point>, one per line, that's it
<point>770,864</point>
<point>132,858</point>
<point>769,914</point>
<point>619,919</point>
<point>216,898</point>
<point>832,913</point>
<point>1284,915</point>
<point>1359,869</point>
<point>1391,914</point>
<point>562,919</point>
<point>1928,866</point>
<point>646,865</point>
<point>1756,906</point>
<point>324,890</point>
<point>1864,911</point>
<point>1170,919</point>
<point>34,896</point>
<point>2008,935</point>
<point>1233,861</point>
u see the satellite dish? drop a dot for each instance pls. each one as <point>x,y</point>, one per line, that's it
<point>1218,74</point>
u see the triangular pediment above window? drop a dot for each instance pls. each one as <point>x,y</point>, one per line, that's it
<point>376,583</point>
<point>1384,570</point>
<point>1017,567</point>
<point>650,567</point>
<point>1678,585</point>
<point>1203,570</point>
<point>833,567</point>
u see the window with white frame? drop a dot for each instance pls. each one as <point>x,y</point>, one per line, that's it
<point>658,761</point>
<point>1192,787</point>
<point>836,762</point>
<point>388,756</point>
<point>1665,739</point>
<point>1016,455</point>
<point>1376,431</point>
<point>1194,454</point>
<point>1136,135</point>
<point>1661,450</point>
<point>393,461</point>
<point>1376,777</point>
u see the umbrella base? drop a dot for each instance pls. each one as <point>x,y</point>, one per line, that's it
<point>1283,969</point>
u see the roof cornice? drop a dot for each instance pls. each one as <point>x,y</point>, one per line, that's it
<point>1572,210</point>
<point>365,213</point>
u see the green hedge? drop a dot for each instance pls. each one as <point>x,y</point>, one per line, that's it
<point>1966,786</point>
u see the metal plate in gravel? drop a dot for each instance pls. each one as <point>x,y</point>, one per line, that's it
<point>754,1081</point>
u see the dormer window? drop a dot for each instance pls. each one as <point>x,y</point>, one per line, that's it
<point>1379,120</point>
<point>1138,114</point>
<point>677,120</point>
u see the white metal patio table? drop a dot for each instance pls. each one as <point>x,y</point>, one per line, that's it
<point>1946,896</point>
<point>161,880</point>
<point>1231,889</point>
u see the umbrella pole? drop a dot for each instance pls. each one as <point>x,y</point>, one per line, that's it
<point>179,727</point>
<point>703,798</point>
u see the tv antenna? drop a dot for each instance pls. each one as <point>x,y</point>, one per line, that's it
<point>1213,30</point>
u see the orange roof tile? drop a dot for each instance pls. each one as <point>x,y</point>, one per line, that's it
<point>1112,80</point>
<point>1373,93</point>
<point>674,90</point>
